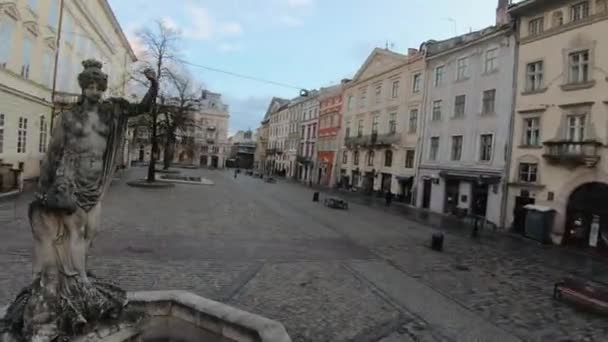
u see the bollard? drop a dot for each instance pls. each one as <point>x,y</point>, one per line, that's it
<point>315,196</point>
<point>437,242</point>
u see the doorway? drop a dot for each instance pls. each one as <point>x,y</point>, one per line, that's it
<point>587,217</point>
<point>452,189</point>
<point>479,205</point>
<point>214,162</point>
<point>519,212</point>
<point>203,160</point>
<point>426,193</point>
<point>386,182</point>
<point>141,153</point>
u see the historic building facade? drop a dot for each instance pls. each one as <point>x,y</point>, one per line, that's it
<point>29,36</point>
<point>330,118</point>
<point>559,160</point>
<point>293,138</point>
<point>309,126</point>
<point>277,139</point>
<point>468,106</point>
<point>381,123</point>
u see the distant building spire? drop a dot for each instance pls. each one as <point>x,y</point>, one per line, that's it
<point>502,12</point>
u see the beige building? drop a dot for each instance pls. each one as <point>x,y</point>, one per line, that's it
<point>29,31</point>
<point>559,160</point>
<point>277,139</point>
<point>381,123</point>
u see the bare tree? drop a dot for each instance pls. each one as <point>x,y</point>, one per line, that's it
<point>178,114</point>
<point>161,46</point>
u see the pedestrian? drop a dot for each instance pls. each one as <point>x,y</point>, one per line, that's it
<point>236,171</point>
<point>389,198</point>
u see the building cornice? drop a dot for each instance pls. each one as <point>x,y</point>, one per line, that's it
<point>24,95</point>
<point>505,31</point>
<point>566,27</point>
<point>118,29</point>
<point>407,64</point>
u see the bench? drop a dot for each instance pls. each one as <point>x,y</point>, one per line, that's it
<point>583,294</point>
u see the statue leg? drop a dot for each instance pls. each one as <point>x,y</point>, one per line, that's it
<point>75,245</point>
<point>46,226</point>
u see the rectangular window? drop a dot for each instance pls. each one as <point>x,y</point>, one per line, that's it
<point>413,125</point>
<point>348,128</point>
<point>303,132</point>
<point>356,158</point>
<point>370,158</point>
<point>536,26</point>
<point>1,132</point>
<point>489,102</point>
<point>6,37</point>
<point>53,14</point>
<point>579,11</point>
<point>27,58</point>
<point>43,135</point>
<point>528,172</point>
<point>47,69</point>
<point>485,147</point>
<point>375,121</point>
<point>532,131</point>
<point>360,128</point>
<point>434,148</point>
<point>438,76</point>
<point>576,127</point>
<point>416,83</point>
<point>378,93</point>
<point>534,76</point>
<point>491,63</point>
<point>436,110</point>
<point>22,135</point>
<point>392,123</point>
<point>344,157</point>
<point>456,147</point>
<point>350,102</point>
<point>395,90</point>
<point>459,106</point>
<point>578,67</point>
<point>409,159</point>
<point>462,69</point>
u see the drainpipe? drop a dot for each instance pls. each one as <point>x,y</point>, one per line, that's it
<point>511,140</point>
<point>57,48</point>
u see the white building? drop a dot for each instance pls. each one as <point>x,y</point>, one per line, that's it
<point>309,124</point>
<point>28,46</point>
<point>277,139</point>
<point>468,113</point>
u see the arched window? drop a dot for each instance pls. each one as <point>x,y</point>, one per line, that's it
<point>388,158</point>
<point>370,158</point>
<point>558,19</point>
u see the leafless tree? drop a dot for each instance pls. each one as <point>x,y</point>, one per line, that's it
<point>178,114</point>
<point>161,48</point>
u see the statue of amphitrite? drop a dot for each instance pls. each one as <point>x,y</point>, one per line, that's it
<point>65,215</point>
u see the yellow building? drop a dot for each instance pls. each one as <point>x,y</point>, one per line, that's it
<point>30,42</point>
<point>559,160</point>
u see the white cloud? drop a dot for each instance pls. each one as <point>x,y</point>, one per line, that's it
<point>230,28</point>
<point>170,23</point>
<point>228,47</point>
<point>201,25</point>
<point>289,20</point>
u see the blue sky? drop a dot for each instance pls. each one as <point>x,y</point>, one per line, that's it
<point>305,43</point>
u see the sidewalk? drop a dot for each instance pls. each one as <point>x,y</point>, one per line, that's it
<point>576,263</point>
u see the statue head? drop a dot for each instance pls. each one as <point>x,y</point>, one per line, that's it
<point>92,80</point>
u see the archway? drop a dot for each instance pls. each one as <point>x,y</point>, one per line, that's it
<point>587,217</point>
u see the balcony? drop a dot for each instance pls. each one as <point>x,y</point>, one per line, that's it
<point>573,153</point>
<point>63,99</point>
<point>210,141</point>
<point>373,140</point>
<point>211,128</point>
<point>303,160</point>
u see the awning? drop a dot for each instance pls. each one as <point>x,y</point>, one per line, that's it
<point>404,179</point>
<point>484,178</point>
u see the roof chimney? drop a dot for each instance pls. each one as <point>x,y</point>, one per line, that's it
<point>502,13</point>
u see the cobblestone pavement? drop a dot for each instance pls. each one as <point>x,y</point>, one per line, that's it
<point>359,275</point>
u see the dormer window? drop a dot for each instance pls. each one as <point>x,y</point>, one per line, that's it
<point>579,11</point>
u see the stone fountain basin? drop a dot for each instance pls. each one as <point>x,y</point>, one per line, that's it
<point>184,316</point>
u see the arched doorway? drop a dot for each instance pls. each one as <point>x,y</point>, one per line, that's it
<point>587,217</point>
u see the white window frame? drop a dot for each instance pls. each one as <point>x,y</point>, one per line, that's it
<point>413,160</point>
<point>536,26</point>
<point>395,89</point>
<point>439,73</point>
<point>42,144</point>
<point>375,123</point>
<point>575,124</point>
<point>460,108</point>
<point>462,68</point>
<point>436,110</point>
<point>392,123</point>
<point>582,66</point>
<point>22,135</point>
<point>535,76</point>
<point>434,149</point>
<point>484,102</point>
<point>481,149</point>
<point>457,157</point>
<point>579,11</point>
<point>528,174</point>
<point>531,131</point>
<point>416,83</point>
<point>413,121</point>
<point>491,60</point>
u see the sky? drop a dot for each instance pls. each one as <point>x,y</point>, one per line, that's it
<point>303,43</point>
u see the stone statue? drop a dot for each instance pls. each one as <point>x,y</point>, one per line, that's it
<point>64,299</point>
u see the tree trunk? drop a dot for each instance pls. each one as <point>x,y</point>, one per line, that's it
<point>152,167</point>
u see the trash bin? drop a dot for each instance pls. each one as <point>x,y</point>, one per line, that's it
<point>437,242</point>
<point>315,196</point>
<point>539,223</point>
